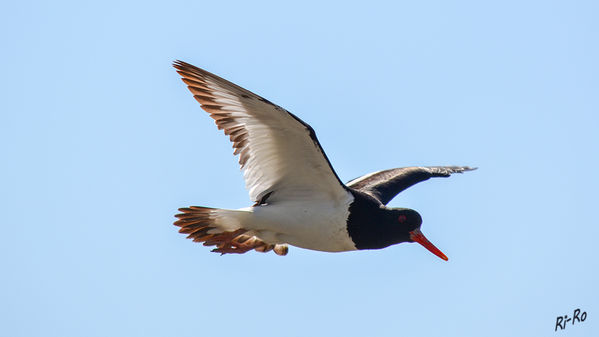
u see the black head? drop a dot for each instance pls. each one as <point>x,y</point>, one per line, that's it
<point>376,227</point>
<point>407,218</point>
<point>411,221</point>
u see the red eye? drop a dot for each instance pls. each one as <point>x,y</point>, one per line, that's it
<point>401,218</point>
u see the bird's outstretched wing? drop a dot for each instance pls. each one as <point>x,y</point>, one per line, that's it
<point>385,185</point>
<point>280,155</point>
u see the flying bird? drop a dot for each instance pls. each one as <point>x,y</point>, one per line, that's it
<point>298,198</point>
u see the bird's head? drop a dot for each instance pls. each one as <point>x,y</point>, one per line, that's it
<point>410,221</point>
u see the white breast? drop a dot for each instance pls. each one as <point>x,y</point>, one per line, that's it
<point>315,224</point>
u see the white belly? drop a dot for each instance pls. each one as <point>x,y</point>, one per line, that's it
<point>313,224</point>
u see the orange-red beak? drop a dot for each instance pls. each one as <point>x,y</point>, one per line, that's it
<point>417,236</point>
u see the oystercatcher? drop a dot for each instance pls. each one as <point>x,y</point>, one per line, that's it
<point>299,199</point>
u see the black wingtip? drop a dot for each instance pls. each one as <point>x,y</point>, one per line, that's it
<point>446,171</point>
<point>178,64</point>
<point>456,169</point>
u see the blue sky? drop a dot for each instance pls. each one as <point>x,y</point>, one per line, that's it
<point>101,143</point>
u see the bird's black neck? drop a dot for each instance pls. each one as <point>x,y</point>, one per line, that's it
<point>371,225</point>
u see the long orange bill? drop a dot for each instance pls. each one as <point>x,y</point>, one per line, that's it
<point>417,236</point>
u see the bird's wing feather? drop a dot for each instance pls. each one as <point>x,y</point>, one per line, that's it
<point>385,185</point>
<point>280,155</point>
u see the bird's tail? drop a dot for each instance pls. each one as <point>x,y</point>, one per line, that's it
<point>224,229</point>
